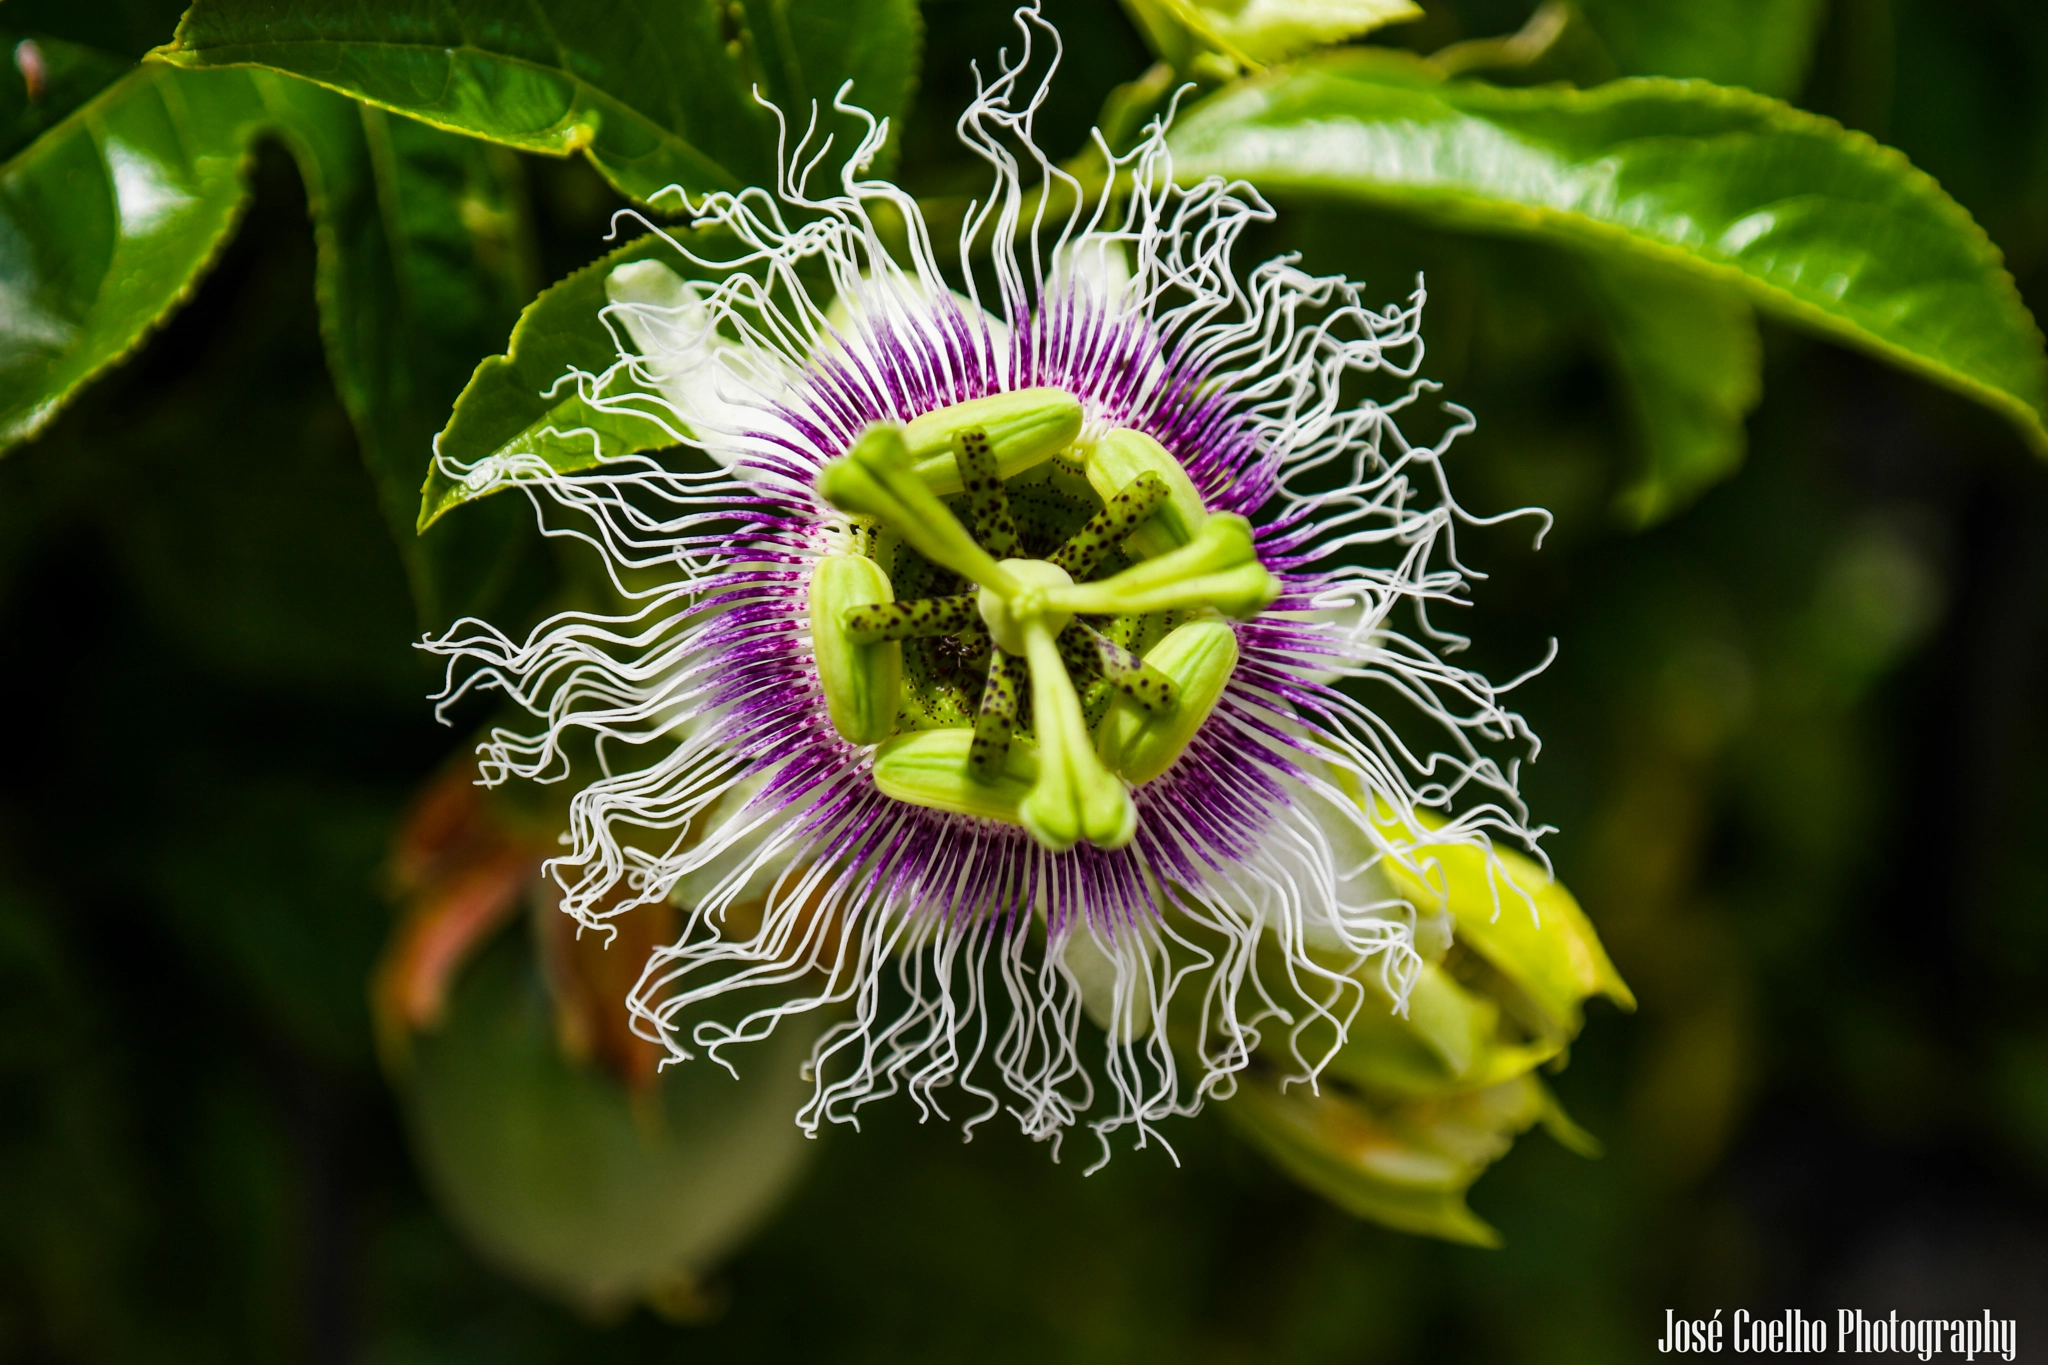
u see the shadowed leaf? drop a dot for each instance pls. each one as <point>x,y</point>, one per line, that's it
<point>1811,222</point>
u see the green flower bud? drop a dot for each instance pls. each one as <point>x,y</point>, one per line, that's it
<point>1117,460</point>
<point>1140,743</point>
<point>1024,428</point>
<point>1523,924</point>
<point>929,768</point>
<point>863,682</point>
<point>1450,1041</point>
<point>1404,1163</point>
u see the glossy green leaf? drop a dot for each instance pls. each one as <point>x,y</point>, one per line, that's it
<point>1765,45</point>
<point>656,95</point>
<point>1810,221</point>
<point>105,222</point>
<point>515,403</point>
<point>1690,365</point>
<point>43,79</point>
<point>422,269</point>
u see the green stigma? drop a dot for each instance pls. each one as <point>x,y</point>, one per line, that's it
<point>1032,628</point>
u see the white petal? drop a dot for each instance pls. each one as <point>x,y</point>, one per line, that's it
<point>679,344</point>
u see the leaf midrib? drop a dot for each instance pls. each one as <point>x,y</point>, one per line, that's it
<point>214,57</point>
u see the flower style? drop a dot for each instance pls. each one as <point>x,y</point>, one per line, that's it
<point>1013,663</point>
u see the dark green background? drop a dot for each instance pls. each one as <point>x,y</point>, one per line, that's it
<point>1796,746</point>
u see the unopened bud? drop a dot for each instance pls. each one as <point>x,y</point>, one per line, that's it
<point>1525,925</point>
<point>1450,1040</point>
<point>1141,744</point>
<point>1118,459</point>
<point>862,681</point>
<point>1024,428</point>
<point>929,768</point>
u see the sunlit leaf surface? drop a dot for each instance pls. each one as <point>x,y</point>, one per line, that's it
<point>1812,222</point>
<point>657,95</point>
<point>522,403</point>
<point>104,222</point>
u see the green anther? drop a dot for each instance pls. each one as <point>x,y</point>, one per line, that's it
<point>988,509</point>
<point>1024,428</point>
<point>929,768</point>
<point>1005,614</point>
<point>1141,744</point>
<point>863,681</point>
<point>1075,796</point>
<point>1111,526</point>
<point>1084,665</point>
<point>1132,677</point>
<point>873,479</point>
<point>1219,568</point>
<point>918,619</point>
<point>996,719</point>
<point>1122,456</point>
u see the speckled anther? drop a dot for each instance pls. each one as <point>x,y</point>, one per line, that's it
<point>988,509</point>
<point>920,619</point>
<point>1109,528</point>
<point>997,719</point>
<point>1078,654</point>
<point>1132,677</point>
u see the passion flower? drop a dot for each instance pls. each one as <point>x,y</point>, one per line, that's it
<point>1046,638</point>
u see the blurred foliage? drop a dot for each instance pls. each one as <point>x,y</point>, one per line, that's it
<point>1794,748</point>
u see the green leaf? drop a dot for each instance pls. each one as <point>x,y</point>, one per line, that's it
<point>105,222</point>
<point>422,269</point>
<point>43,79</point>
<point>515,404</point>
<point>1690,365</point>
<point>1765,45</point>
<point>656,95</point>
<point>1811,222</point>
<point>108,220</point>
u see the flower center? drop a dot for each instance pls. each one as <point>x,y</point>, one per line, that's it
<point>1069,713</point>
<point>1007,617</point>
